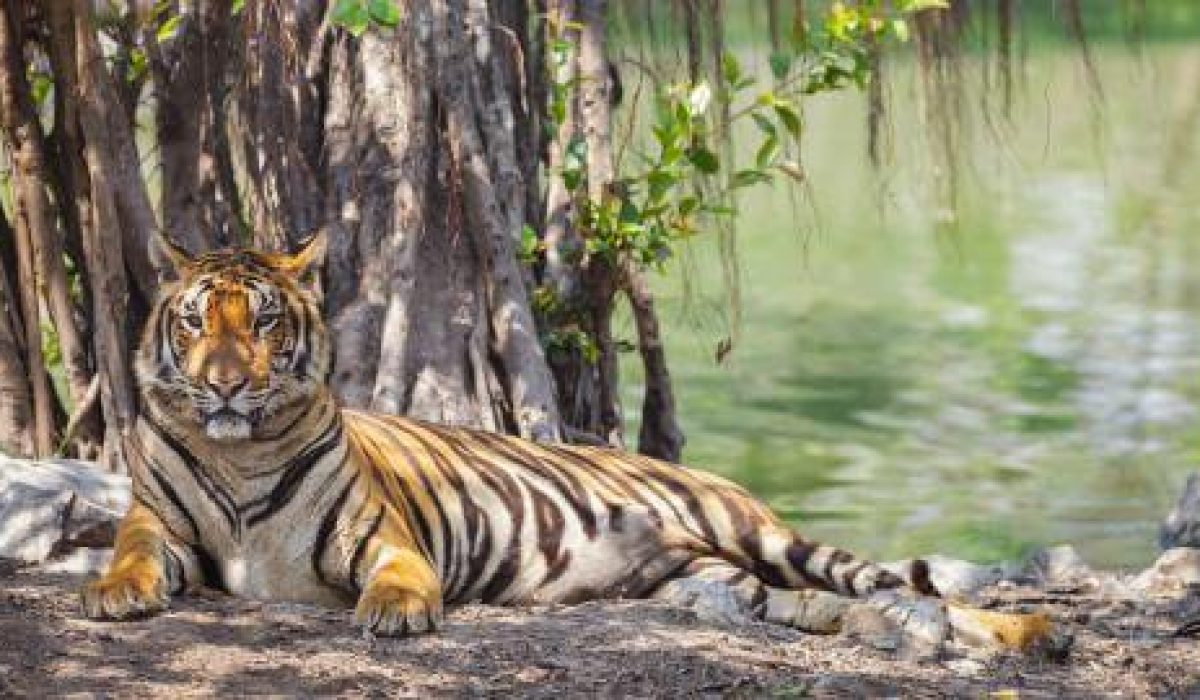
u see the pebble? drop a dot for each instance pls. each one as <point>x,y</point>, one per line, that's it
<point>967,666</point>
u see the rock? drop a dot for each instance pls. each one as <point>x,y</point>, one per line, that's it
<point>1182,526</point>
<point>88,525</point>
<point>956,577</point>
<point>1061,567</point>
<point>84,561</point>
<point>869,625</point>
<point>51,507</point>
<point>967,666</point>
<point>85,479</point>
<point>923,621</point>
<point>31,520</point>
<point>1175,570</point>
<point>713,602</point>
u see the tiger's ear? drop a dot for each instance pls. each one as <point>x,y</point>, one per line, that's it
<point>305,263</point>
<point>169,257</point>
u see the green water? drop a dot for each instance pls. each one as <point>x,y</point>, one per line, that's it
<point>1028,379</point>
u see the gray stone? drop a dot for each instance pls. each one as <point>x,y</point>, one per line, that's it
<point>871,626</point>
<point>967,666</point>
<point>31,520</point>
<point>51,507</point>
<point>84,561</point>
<point>85,479</point>
<point>1175,570</point>
<point>956,577</point>
<point>1061,566</point>
<point>713,602</point>
<point>923,621</point>
<point>1182,526</point>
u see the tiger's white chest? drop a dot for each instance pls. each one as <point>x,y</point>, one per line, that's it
<point>269,567</point>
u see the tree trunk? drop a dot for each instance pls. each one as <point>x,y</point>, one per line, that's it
<point>194,214</point>
<point>426,302</point>
<point>596,119</point>
<point>527,380</point>
<point>379,188</point>
<point>35,171</point>
<point>278,117</point>
<point>32,219</point>
<point>660,435</point>
<point>16,397</point>
<point>103,251</point>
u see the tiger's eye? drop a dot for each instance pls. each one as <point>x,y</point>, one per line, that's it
<point>192,321</point>
<point>266,322</point>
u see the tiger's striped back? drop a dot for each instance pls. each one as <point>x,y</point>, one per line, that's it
<point>487,506</point>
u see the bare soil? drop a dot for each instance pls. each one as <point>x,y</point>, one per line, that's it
<point>224,646</point>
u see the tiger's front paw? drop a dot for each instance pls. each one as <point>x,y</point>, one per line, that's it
<point>394,611</point>
<point>135,591</point>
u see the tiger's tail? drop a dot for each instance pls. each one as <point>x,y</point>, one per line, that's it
<point>784,559</point>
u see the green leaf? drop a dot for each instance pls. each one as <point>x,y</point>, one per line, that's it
<point>688,204</point>
<point>138,65</point>
<point>765,157</point>
<point>572,179</point>
<point>351,15</point>
<point>704,159</point>
<point>384,12</point>
<point>576,153</point>
<point>730,68</point>
<point>781,63</point>
<point>660,181</point>
<point>236,8</point>
<point>719,209</point>
<point>166,31</point>
<point>763,123</point>
<point>789,118</point>
<point>629,214</point>
<point>39,86</point>
<point>746,178</point>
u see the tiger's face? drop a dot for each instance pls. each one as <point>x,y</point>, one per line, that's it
<point>236,349</point>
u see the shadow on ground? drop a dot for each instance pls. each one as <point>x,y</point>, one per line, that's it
<point>222,646</point>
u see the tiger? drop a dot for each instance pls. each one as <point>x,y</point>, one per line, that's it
<point>250,478</point>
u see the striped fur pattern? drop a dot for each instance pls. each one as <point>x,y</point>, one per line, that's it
<point>249,478</point>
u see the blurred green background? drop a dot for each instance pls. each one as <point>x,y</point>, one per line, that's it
<point>1029,378</point>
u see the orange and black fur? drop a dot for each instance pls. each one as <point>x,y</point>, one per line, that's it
<point>248,477</point>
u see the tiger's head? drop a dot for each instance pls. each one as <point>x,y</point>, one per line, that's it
<point>235,347</point>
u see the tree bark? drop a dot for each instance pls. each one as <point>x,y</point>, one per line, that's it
<point>274,109</point>
<point>595,117</point>
<point>32,221</point>
<point>660,435</point>
<point>104,250</point>
<point>35,159</point>
<point>564,247</point>
<point>380,141</point>
<point>16,396</point>
<point>529,384</point>
<point>192,212</point>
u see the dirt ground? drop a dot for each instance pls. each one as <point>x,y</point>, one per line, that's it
<point>224,646</point>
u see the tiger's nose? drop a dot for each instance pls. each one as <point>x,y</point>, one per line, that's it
<point>226,385</point>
